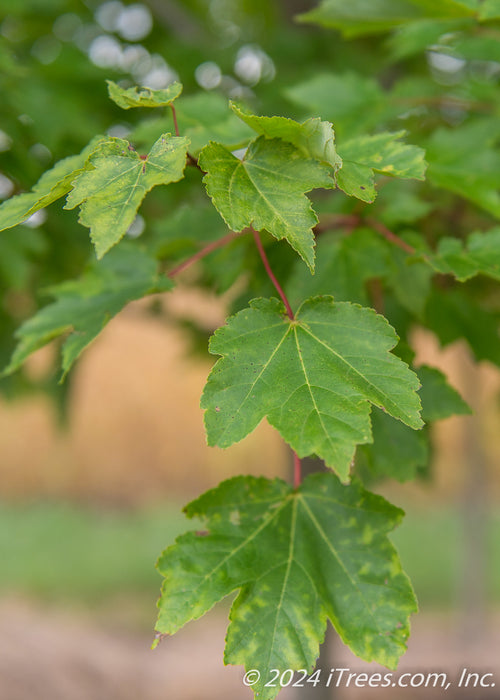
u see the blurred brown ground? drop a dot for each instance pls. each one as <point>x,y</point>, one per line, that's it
<point>53,655</point>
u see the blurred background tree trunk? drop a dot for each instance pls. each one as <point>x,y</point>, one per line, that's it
<point>474,512</point>
<point>310,465</point>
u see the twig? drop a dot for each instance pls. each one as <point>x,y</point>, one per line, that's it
<point>447,101</point>
<point>270,274</point>
<point>191,160</point>
<point>203,252</point>
<point>350,221</point>
<point>330,221</point>
<point>376,292</point>
<point>174,115</point>
<point>390,236</point>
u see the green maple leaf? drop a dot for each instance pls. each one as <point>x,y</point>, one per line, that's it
<point>489,9</point>
<point>480,255</point>
<point>384,153</point>
<point>202,117</point>
<point>53,185</point>
<point>84,306</point>
<point>315,138</point>
<point>116,180</point>
<point>360,17</point>
<point>410,278</point>
<point>266,190</point>
<point>143,97</point>
<point>439,399</point>
<point>466,160</point>
<point>313,377</point>
<point>477,48</point>
<point>207,117</point>
<point>397,451</point>
<point>351,101</point>
<point>297,558</point>
<point>414,38</point>
<point>16,253</point>
<point>344,264</point>
<point>454,315</point>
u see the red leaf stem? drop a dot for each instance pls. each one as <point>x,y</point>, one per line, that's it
<point>390,236</point>
<point>174,115</point>
<point>219,243</point>
<point>270,274</point>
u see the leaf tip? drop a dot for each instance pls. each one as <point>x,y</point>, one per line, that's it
<point>158,638</point>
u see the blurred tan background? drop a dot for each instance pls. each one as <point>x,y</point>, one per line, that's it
<point>135,429</point>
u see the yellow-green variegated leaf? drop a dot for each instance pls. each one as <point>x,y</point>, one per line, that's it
<point>465,160</point>
<point>314,137</point>
<point>383,153</point>
<point>53,185</point>
<point>297,558</point>
<point>111,188</point>
<point>126,98</point>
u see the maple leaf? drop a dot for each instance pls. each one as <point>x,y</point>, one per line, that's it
<point>383,153</point>
<point>360,17</point>
<point>53,185</point>
<point>126,98</point>
<point>110,190</point>
<point>480,255</point>
<point>297,558</point>
<point>266,190</point>
<point>313,377</point>
<point>314,137</point>
<point>84,306</point>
